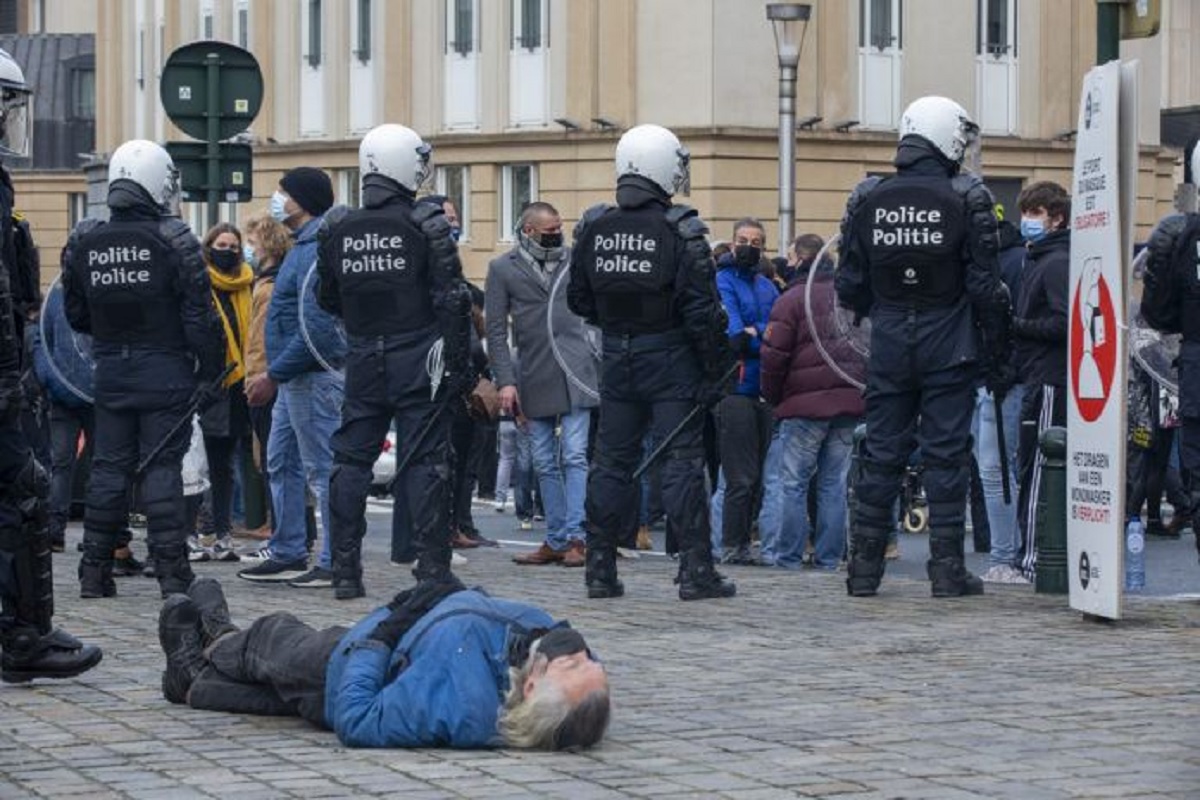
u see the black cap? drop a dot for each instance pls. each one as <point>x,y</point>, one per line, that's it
<point>310,188</point>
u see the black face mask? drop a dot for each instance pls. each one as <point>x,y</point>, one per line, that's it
<point>559,641</point>
<point>551,240</point>
<point>747,255</point>
<point>225,260</point>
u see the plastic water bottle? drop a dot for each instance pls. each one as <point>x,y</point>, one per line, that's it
<point>1135,555</point>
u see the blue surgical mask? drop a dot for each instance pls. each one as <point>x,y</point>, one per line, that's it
<point>1032,229</point>
<point>249,257</point>
<point>455,232</point>
<point>278,210</point>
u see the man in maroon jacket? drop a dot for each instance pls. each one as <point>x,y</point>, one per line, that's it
<point>817,411</point>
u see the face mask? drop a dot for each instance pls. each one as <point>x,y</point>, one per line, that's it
<point>1032,229</point>
<point>540,252</point>
<point>561,642</point>
<point>225,260</point>
<point>551,240</point>
<point>455,232</point>
<point>747,255</point>
<point>249,257</point>
<point>278,210</point>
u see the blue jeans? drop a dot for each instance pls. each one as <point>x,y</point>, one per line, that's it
<point>308,409</point>
<point>823,446</point>
<point>770,516</point>
<point>1006,534</point>
<point>716,513</point>
<point>563,486</point>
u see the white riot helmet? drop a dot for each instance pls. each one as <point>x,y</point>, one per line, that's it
<point>16,109</point>
<point>655,153</point>
<point>944,124</point>
<point>1194,163</point>
<point>149,166</point>
<point>396,152</point>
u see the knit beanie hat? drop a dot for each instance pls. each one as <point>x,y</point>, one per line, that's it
<point>310,188</point>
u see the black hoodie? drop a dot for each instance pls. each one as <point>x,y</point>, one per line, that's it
<point>1042,311</point>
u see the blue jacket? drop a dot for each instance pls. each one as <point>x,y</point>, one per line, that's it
<point>443,684</point>
<point>288,355</point>
<point>71,352</point>
<point>747,296</point>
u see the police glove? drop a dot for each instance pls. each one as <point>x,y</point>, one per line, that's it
<point>742,344</point>
<point>409,606</point>
<point>206,395</point>
<point>11,397</point>
<point>1000,378</point>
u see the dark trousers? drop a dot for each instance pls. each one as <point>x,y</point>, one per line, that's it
<point>486,456</point>
<point>1041,408</point>
<point>465,438</point>
<point>744,433</point>
<point>1150,475</point>
<point>66,423</point>
<point>220,452</point>
<point>275,667</point>
<point>648,385</point>
<point>260,424</point>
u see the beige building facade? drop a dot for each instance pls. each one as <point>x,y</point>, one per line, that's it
<point>525,99</point>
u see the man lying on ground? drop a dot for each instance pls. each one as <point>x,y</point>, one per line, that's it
<point>439,666</point>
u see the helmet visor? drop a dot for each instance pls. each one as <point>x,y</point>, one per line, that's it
<point>683,180</point>
<point>16,122</point>
<point>972,148</point>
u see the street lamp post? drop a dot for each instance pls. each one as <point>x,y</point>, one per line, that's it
<point>790,20</point>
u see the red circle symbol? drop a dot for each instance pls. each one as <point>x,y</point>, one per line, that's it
<point>1093,343</point>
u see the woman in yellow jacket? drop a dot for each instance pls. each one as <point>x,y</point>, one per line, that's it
<point>227,422</point>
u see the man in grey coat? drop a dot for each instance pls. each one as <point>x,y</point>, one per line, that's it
<point>539,393</point>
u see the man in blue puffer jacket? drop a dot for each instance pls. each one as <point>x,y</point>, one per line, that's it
<point>439,666</point>
<point>743,419</point>
<point>308,407</point>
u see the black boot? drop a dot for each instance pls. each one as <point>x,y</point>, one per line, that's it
<point>868,543</point>
<point>180,635</point>
<point>206,593</point>
<point>96,579</point>
<point>29,654</point>
<point>346,566</point>
<point>600,572</point>
<point>172,569</point>
<point>948,575</point>
<point>698,579</point>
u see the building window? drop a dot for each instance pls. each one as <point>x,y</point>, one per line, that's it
<point>997,35</point>
<point>314,33</point>
<point>455,183</point>
<point>531,24</point>
<point>76,208</point>
<point>461,27</point>
<point>362,33</point>
<point>206,19</point>
<point>242,20</point>
<point>881,26</point>
<point>83,93</point>
<point>518,188</point>
<point>350,187</point>
<point>139,58</point>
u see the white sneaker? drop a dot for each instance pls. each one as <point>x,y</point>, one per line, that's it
<point>1003,574</point>
<point>261,554</point>
<point>197,550</point>
<point>457,560</point>
<point>223,550</point>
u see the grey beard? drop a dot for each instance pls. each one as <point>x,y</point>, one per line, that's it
<point>544,255</point>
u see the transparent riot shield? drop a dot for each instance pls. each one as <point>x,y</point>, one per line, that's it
<point>844,345</point>
<point>1156,352</point>
<point>563,330</point>
<point>329,351</point>
<point>79,345</point>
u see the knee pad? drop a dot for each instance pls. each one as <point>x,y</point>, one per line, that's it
<point>878,482</point>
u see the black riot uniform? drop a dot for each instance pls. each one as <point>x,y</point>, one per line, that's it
<point>1171,304</point>
<point>32,647</point>
<point>390,271</point>
<point>918,257</point>
<point>138,284</point>
<point>642,272</point>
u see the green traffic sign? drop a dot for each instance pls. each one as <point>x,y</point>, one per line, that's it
<point>235,182</point>
<point>186,85</point>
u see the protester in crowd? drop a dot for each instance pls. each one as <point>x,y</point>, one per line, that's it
<point>267,243</point>
<point>226,422</point>
<point>556,409</point>
<point>1040,321</point>
<point>439,666</point>
<point>470,435</point>
<point>308,399</point>
<point>743,419</point>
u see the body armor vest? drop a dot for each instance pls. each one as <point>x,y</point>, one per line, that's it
<point>912,229</point>
<point>631,264</point>
<point>381,261</point>
<point>129,274</point>
<point>1186,257</point>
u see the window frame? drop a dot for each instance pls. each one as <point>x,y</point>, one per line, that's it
<point>509,212</point>
<point>314,10</point>
<point>983,43</point>
<point>866,37</point>
<point>520,16</point>
<point>363,32</point>
<point>463,201</point>
<point>349,185</point>
<point>454,8</point>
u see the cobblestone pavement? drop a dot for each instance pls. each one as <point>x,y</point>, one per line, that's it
<point>789,690</point>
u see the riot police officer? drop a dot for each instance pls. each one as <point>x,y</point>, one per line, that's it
<point>138,284</point>
<point>1171,304</point>
<point>32,647</point>
<point>643,273</point>
<point>918,256</point>
<point>390,271</point>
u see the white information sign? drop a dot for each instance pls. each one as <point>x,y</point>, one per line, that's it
<point>1096,383</point>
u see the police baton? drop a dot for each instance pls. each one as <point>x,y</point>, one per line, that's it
<point>215,385</point>
<point>1002,446</point>
<point>683,423</point>
<point>418,443</point>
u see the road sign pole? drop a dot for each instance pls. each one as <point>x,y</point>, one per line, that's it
<point>213,64</point>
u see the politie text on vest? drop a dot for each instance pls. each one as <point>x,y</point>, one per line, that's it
<point>372,252</point>
<point>906,226</point>
<point>618,252</point>
<point>127,265</point>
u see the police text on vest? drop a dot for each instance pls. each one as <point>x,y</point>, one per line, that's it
<point>909,226</point>
<point>618,252</point>
<point>372,252</point>
<point>138,259</point>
